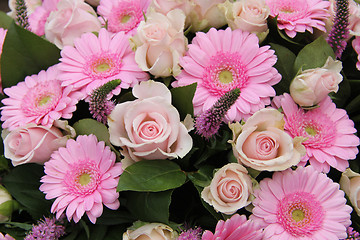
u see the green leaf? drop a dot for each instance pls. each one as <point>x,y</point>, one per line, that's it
<point>115,232</point>
<point>203,176</point>
<point>210,209</point>
<point>24,226</point>
<point>149,206</point>
<point>89,126</point>
<point>23,183</point>
<point>182,99</point>
<point>24,54</point>
<point>354,105</point>
<point>284,64</point>
<point>151,176</point>
<point>4,163</point>
<point>313,55</point>
<point>5,20</point>
<point>111,217</point>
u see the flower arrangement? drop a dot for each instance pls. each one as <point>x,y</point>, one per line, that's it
<point>174,120</point>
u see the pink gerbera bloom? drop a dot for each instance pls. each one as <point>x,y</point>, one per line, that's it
<point>356,46</point>
<point>2,39</point>
<point>82,177</point>
<point>302,204</point>
<point>235,228</point>
<point>95,61</point>
<point>39,99</point>
<point>299,15</point>
<point>222,60</point>
<point>38,18</point>
<point>123,15</point>
<point>329,133</point>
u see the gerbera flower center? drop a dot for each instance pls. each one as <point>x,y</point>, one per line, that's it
<point>42,98</point>
<point>83,178</point>
<point>225,76</point>
<point>103,66</point>
<point>224,72</point>
<point>289,10</point>
<point>125,16</point>
<point>300,214</point>
<point>313,125</point>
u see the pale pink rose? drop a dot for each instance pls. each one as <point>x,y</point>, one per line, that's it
<point>149,127</point>
<point>350,184</point>
<point>230,189</point>
<point>71,19</point>
<point>247,15</point>
<point>206,14</point>
<point>165,6</point>
<point>264,145</point>
<point>151,231</point>
<point>354,18</point>
<point>32,143</point>
<point>160,42</point>
<point>311,86</point>
<point>38,18</point>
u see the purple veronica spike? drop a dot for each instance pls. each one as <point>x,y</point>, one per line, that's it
<point>21,14</point>
<point>208,123</point>
<point>99,105</point>
<point>340,32</point>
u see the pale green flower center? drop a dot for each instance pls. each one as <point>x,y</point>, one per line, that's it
<point>44,100</point>
<point>311,131</point>
<point>225,76</point>
<point>84,179</point>
<point>298,215</point>
<point>125,18</point>
<point>102,67</point>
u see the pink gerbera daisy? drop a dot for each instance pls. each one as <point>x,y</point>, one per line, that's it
<point>123,15</point>
<point>39,99</point>
<point>302,204</point>
<point>299,15</point>
<point>82,177</point>
<point>237,227</point>
<point>95,61</point>
<point>222,60</point>
<point>329,133</point>
<point>2,39</point>
<point>356,46</point>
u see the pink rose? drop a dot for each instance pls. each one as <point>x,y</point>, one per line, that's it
<point>350,184</point>
<point>151,231</point>
<point>206,14</point>
<point>32,144</point>
<point>149,127</point>
<point>71,19</point>
<point>229,190</point>
<point>160,42</point>
<point>312,85</point>
<point>248,15</point>
<point>264,145</point>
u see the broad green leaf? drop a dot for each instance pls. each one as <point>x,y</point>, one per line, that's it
<point>284,64</point>
<point>211,210</point>
<point>151,176</point>
<point>23,183</point>
<point>313,55</point>
<point>115,232</point>
<point>149,206</point>
<point>182,99</point>
<point>354,105</point>
<point>4,163</point>
<point>5,20</point>
<point>24,54</point>
<point>24,226</point>
<point>342,95</point>
<point>111,217</point>
<point>89,126</point>
<point>203,176</point>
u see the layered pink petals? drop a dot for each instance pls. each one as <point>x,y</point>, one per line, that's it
<point>40,99</point>
<point>328,130</point>
<point>221,60</point>
<point>95,61</point>
<point>301,204</point>
<point>82,177</point>
<point>235,228</point>
<point>299,16</point>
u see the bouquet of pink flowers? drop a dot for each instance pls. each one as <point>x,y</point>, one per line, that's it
<point>180,119</point>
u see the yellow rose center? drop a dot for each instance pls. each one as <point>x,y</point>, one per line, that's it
<point>225,76</point>
<point>84,179</point>
<point>298,215</point>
